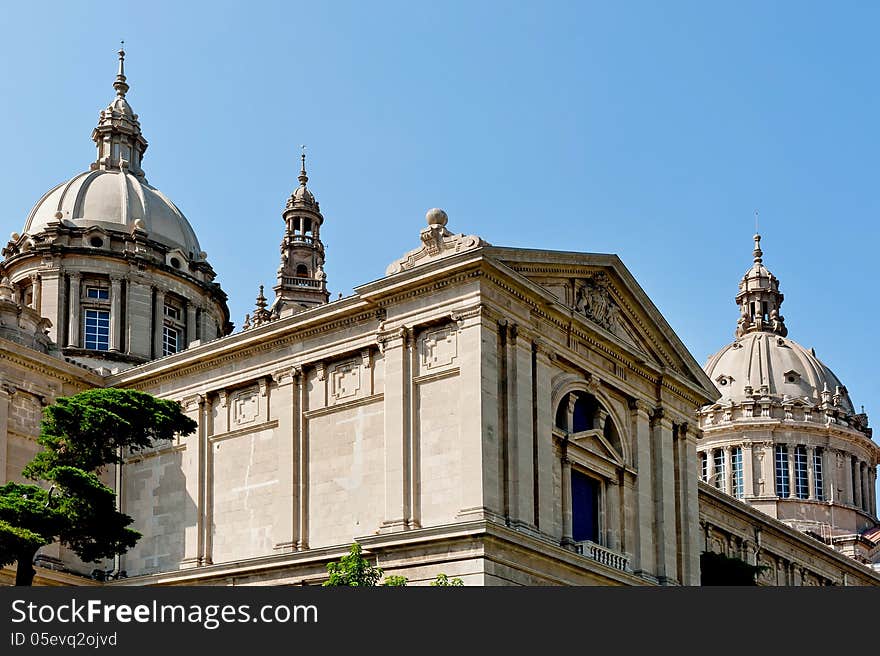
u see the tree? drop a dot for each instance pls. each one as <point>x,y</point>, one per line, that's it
<point>443,580</point>
<point>80,436</point>
<point>354,569</point>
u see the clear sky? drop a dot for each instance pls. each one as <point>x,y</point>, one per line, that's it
<point>653,130</point>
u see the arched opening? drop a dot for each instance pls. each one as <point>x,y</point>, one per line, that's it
<point>587,413</point>
<point>302,271</point>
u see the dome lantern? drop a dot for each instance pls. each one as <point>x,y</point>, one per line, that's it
<point>759,299</point>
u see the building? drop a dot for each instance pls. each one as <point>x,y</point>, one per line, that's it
<point>784,436</point>
<point>507,416</point>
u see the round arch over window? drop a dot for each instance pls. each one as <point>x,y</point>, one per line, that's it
<point>302,271</point>
<point>587,413</point>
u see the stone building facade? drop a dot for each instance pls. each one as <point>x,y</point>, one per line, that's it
<point>507,416</point>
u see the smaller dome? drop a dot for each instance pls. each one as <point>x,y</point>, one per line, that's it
<point>303,195</point>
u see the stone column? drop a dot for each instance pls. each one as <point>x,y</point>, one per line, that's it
<point>728,470</point>
<point>158,321</point>
<point>664,495</point>
<point>73,311</point>
<point>811,472</point>
<point>848,477</point>
<point>50,303</point>
<point>612,515</point>
<point>411,471</point>
<point>567,530</point>
<point>643,539</point>
<point>691,515</point>
<point>284,395</point>
<point>302,470</point>
<point>206,481</point>
<point>473,430</point>
<point>748,463</point>
<point>857,482</point>
<point>6,393</point>
<point>190,323</point>
<point>521,417</point>
<point>192,466</point>
<point>828,485</point>
<point>545,501</point>
<point>863,476</point>
<point>396,433</point>
<point>36,291</point>
<point>115,313</point>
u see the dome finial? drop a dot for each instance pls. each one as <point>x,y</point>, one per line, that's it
<point>303,178</point>
<point>120,84</point>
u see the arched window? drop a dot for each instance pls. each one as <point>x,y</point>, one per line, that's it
<point>592,464</point>
<point>302,271</point>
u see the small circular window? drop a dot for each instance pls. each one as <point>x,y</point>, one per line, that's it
<point>96,242</point>
<point>791,379</point>
<point>175,262</point>
<point>722,381</point>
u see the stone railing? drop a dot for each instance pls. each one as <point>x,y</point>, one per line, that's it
<point>302,282</point>
<point>602,555</point>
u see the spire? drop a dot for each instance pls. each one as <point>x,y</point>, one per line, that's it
<point>120,84</point>
<point>118,135</point>
<point>261,314</point>
<point>759,298</point>
<point>303,178</point>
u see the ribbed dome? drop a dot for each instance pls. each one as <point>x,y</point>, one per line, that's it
<point>767,364</point>
<point>114,199</point>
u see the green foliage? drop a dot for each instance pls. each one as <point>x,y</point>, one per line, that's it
<point>718,569</point>
<point>88,429</point>
<point>443,580</point>
<point>394,581</point>
<point>80,435</point>
<point>354,569</point>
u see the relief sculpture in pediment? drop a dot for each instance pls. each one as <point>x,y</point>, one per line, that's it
<point>596,303</point>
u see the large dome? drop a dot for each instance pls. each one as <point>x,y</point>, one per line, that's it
<point>114,199</point>
<point>769,365</point>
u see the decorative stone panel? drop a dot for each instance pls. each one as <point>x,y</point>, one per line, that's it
<point>245,406</point>
<point>439,348</point>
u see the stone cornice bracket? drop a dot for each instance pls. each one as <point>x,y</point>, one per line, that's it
<point>283,375</point>
<point>319,370</point>
<point>593,384</point>
<point>223,398</point>
<point>191,401</point>
<point>263,383</point>
<point>367,357</point>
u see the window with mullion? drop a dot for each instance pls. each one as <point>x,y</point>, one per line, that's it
<point>97,330</point>
<point>720,470</point>
<point>736,466</point>
<point>782,482</point>
<point>818,481</point>
<point>801,481</point>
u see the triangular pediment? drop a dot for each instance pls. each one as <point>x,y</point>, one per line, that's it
<point>592,440</point>
<point>603,297</point>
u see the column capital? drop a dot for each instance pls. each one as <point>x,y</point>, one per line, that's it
<point>659,414</point>
<point>638,405</point>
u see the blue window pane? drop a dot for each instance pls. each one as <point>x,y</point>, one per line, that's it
<point>584,507</point>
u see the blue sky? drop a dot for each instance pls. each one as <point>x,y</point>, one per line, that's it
<point>651,130</point>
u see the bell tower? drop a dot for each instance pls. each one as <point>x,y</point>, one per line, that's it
<point>301,281</point>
